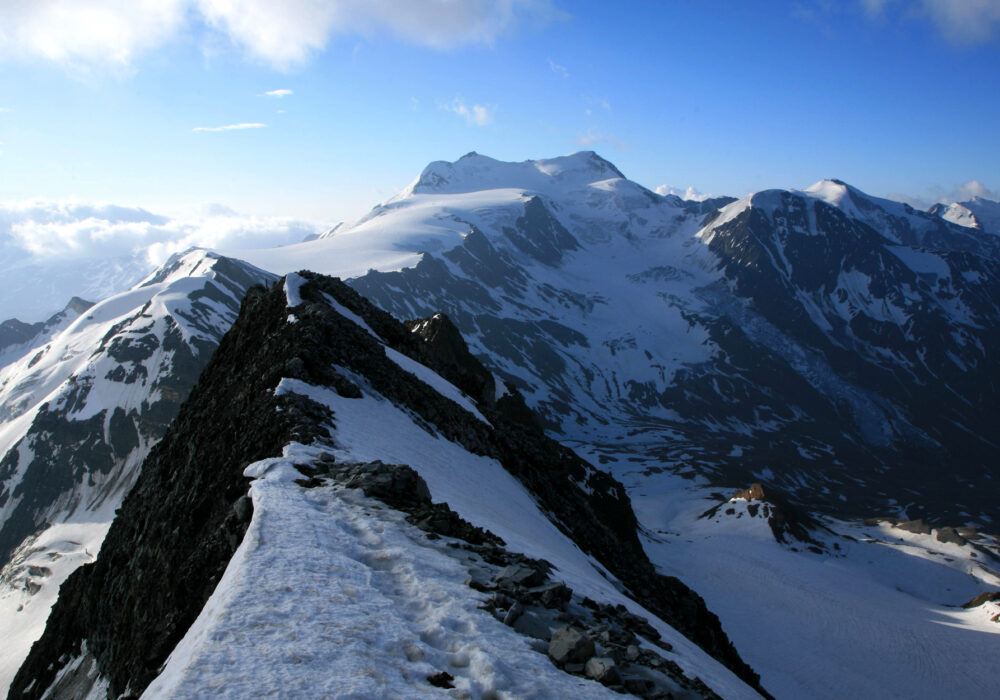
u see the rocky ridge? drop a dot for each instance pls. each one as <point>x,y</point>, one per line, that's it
<point>178,527</point>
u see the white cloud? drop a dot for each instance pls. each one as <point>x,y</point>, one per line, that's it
<point>960,21</point>
<point>231,127</point>
<point>973,188</point>
<point>283,92</point>
<point>965,21</point>
<point>690,193</point>
<point>919,203</point>
<point>958,193</point>
<point>874,7</point>
<point>592,136</point>
<point>280,33</point>
<point>283,34</point>
<point>597,101</point>
<point>558,69</point>
<point>476,115</point>
<point>88,31</point>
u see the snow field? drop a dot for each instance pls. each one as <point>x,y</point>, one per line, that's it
<point>881,621</point>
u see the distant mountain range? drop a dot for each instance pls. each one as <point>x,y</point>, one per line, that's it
<point>831,347</point>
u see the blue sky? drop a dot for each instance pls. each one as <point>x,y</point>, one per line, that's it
<point>102,100</point>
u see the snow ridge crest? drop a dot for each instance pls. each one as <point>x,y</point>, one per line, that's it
<point>474,172</point>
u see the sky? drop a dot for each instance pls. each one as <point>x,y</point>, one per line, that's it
<point>317,110</point>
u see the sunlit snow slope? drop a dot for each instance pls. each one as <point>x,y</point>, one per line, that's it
<point>978,212</point>
<point>867,611</point>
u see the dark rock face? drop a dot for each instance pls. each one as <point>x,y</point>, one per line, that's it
<point>917,526</point>
<point>950,535</point>
<point>184,518</point>
<point>520,575</point>
<point>15,332</point>
<point>754,493</point>
<point>982,599</point>
<point>443,679</point>
<point>539,235</point>
<point>391,483</point>
<point>897,356</point>
<point>399,486</point>
<point>447,349</point>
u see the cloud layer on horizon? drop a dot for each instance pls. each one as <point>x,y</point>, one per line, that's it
<point>690,193</point>
<point>973,188</point>
<point>45,229</point>
<point>60,249</point>
<point>231,127</point>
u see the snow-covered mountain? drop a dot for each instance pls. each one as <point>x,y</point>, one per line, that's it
<point>978,213</point>
<point>833,346</point>
<point>92,391</point>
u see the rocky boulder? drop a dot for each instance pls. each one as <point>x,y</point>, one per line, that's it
<point>602,670</point>
<point>570,645</point>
